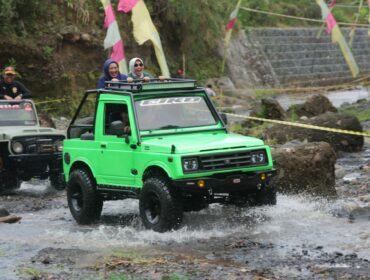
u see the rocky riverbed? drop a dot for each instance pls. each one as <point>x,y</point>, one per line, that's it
<point>302,237</point>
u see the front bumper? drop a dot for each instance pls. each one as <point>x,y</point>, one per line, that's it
<point>35,157</point>
<point>226,183</point>
<point>36,165</point>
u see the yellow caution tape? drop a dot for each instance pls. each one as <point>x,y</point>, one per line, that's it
<point>310,126</point>
<point>51,101</point>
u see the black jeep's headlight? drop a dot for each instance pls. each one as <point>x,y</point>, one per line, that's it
<point>190,164</point>
<point>17,147</point>
<point>258,157</point>
<point>58,145</point>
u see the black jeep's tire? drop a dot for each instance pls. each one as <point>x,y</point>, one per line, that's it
<point>12,183</point>
<point>160,205</point>
<point>83,200</point>
<point>57,181</point>
<point>266,196</point>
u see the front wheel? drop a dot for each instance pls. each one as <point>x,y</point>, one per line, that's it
<point>160,205</point>
<point>83,200</point>
<point>12,183</point>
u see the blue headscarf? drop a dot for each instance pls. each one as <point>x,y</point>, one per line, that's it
<point>107,76</point>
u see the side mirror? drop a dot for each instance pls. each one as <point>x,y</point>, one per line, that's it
<point>116,128</point>
<point>223,117</point>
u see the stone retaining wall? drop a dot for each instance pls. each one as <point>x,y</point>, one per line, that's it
<point>293,57</point>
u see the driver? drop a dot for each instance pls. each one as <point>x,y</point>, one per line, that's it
<point>10,89</point>
<point>126,122</point>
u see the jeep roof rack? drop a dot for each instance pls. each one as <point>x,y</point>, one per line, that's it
<point>154,84</point>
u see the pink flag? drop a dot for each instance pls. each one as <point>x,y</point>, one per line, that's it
<point>126,5</point>
<point>330,23</point>
<point>332,3</point>
<point>230,24</point>
<point>109,16</point>
<point>118,51</point>
<point>113,38</point>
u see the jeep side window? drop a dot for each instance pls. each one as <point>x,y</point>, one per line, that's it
<point>116,121</point>
<point>83,126</point>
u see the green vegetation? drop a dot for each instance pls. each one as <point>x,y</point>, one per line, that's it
<point>191,31</point>
<point>362,115</point>
<point>35,273</point>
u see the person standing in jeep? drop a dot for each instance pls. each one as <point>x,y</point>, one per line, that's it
<point>10,88</point>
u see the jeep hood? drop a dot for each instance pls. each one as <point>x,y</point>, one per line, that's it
<point>8,132</point>
<point>199,142</point>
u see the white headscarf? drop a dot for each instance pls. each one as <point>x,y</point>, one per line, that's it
<point>132,67</point>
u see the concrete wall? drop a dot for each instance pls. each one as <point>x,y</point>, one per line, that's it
<point>293,57</point>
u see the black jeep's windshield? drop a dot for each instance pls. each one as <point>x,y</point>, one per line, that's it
<point>173,112</point>
<point>17,114</point>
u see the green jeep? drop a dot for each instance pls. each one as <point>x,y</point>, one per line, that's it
<point>176,156</point>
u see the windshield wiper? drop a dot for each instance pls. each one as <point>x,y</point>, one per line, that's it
<point>169,126</point>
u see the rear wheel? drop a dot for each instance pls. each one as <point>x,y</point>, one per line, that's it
<point>160,205</point>
<point>84,202</point>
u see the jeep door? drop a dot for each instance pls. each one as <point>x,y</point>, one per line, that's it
<point>115,156</point>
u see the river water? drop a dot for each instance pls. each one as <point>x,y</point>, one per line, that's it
<point>337,98</point>
<point>295,223</point>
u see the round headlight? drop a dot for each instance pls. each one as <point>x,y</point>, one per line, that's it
<point>17,147</point>
<point>258,157</point>
<point>59,145</point>
<point>190,164</point>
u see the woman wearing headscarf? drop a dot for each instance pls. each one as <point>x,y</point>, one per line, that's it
<point>111,73</point>
<point>136,67</point>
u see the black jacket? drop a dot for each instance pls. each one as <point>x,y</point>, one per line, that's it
<point>13,90</point>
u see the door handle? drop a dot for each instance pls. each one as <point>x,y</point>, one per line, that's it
<point>103,145</point>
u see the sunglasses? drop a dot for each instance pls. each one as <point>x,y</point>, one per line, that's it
<point>139,64</point>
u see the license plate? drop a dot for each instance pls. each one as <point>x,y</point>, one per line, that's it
<point>236,180</point>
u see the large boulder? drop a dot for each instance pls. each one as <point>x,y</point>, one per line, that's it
<point>315,105</point>
<point>305,168</point>
<point>270,109</point>
<point>5,217</point>
<point>339,141</point>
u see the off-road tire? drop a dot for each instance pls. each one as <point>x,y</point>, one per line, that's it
<point>12,183</point>
<point>195,202</point>
<point>266,196</point>
<point>57,182</point>
<point>84,202</point>
<point>160,205</point>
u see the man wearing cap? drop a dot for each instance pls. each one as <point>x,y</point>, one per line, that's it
<point>11,89</point>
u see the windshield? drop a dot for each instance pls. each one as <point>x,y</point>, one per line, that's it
<point>173,112</point>
<point>17,114</point>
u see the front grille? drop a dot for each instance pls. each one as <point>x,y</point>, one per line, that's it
<point>229,160</point>
<point>38,144</point>
<point>45,148</point>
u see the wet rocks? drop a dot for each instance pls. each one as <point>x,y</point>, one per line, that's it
<point>270,109</point>
<point>305,168</point>
<point>315,105</point>
<point>3,212</point>
<point>6,217</point>
<point>339,141</point>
